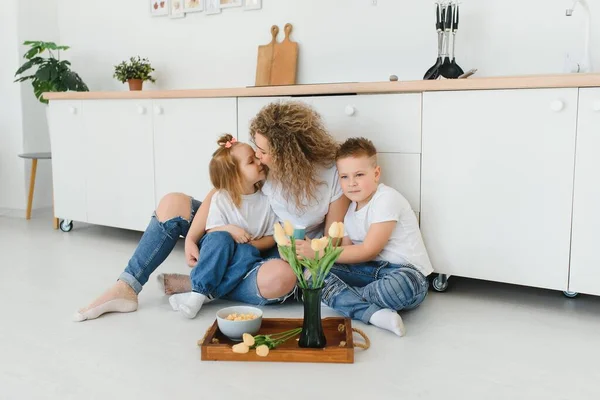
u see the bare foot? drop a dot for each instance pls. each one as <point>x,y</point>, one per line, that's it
<point>175,283</point>
<point>119,298</point>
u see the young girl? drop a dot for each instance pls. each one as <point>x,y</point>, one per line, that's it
<point>238,208</point>
<point>239,224</point>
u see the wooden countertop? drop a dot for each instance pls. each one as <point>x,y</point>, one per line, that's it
<point>472,83</point>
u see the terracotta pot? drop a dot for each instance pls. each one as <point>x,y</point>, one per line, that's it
<point>135,84</point>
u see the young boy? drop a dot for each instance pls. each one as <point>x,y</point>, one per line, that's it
<point>384,265</point>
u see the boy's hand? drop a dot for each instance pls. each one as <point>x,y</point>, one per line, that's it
<point>192,253</point>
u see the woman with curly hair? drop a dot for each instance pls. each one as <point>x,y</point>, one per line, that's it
<point>302,186</point>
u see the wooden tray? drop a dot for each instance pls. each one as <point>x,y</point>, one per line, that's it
<point>335,352</point>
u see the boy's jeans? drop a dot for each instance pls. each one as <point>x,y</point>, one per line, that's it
<point>359,290</point>
<point>160,238</point>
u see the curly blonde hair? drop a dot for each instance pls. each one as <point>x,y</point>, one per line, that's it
<point>299,144</point>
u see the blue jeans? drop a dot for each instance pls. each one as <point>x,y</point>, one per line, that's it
<point>359,290</point>
<point>159,240</point>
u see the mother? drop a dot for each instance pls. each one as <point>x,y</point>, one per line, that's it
<point>302,186</point>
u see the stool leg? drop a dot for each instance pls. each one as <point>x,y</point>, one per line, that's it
<point>55,222</point>
<point>31,187</point>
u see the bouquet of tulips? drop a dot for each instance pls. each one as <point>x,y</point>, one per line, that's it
<point>326,250</point>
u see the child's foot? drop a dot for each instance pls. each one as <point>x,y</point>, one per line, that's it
<point>174,283</point>
<point>179,299</point>
<point>119,298</point>
<point>192,305</point>
<point>390,320</point>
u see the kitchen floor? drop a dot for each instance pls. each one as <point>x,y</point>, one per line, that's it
<point>478,340</point>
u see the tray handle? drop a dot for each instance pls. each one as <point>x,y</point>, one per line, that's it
<point>367,342</point>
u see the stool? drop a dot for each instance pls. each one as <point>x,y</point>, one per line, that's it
<point>34,157</point>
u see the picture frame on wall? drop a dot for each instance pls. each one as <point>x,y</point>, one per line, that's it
<point>212,7</point>
<point>159,8</point>
<point>177,9</point>
<point>230,3</point>
<point>253,5</point>
<point>190,6</point>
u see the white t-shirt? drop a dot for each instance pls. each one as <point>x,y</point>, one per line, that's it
<point>312,217</point>
<point>254,215</point>
<point>405,245</point>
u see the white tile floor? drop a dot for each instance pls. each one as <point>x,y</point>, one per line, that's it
<point>479,340</point>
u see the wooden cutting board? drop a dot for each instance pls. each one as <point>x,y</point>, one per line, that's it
<point>277,62</point>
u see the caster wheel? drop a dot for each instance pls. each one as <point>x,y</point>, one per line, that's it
<point>66,225</point>
<point>440,283</point>
<point>570,294</point>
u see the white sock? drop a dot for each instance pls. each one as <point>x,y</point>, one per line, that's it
<point>390,320</point>
<point>175,300</point>
<point>116,305</point>
<point>192,305</point>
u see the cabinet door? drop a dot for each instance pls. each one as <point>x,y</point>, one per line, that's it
<point>120,177</point>
<point>585,257</point>
<point>69,159</point>
<point>497,180</point>
<point>185,137</point>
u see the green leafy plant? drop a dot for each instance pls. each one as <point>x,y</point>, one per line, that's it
<point>53,74</point>
<point>135,68</point>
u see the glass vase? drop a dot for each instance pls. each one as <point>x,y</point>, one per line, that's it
<point>312,335</point>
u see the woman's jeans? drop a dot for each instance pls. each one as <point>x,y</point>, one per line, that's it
<point>359,290</point>
<point>227,281</point>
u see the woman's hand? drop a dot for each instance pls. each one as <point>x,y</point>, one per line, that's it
<point>192,253</point>
<point>303,249</point>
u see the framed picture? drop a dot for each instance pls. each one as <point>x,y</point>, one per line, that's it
<point>159,8</point>
<point>212,7</point>
<point>253,5</point>
<point>177,9</point>
<point>230,3</point>
<point>193,6</point>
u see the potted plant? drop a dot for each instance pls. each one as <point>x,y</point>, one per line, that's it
<point>135,72</point>
<point>327,250</point>
<point>53,74</point>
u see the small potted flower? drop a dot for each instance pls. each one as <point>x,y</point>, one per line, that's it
<point>135,72</point>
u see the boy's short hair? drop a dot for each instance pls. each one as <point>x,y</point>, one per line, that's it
<point>357,147</point>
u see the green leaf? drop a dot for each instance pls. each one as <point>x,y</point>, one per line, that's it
<point>24,78</point>
<point>29,64</point>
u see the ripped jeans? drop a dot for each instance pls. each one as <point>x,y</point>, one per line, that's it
<point>158,241</point>
<point>359,290</point>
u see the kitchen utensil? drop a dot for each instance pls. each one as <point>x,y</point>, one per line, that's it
<point>285,60</point>
<point>264,61</point>
<point>454,29</point>
<point>433,72</point>
<point>468,73</point>
<point>449,69</point>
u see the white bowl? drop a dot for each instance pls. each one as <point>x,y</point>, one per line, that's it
<point>235,329</point>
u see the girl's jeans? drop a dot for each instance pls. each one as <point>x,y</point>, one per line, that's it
<point>160,238</point>
<point>359,290</point>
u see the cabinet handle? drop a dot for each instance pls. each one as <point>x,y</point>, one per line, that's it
<point>596,105</point>
<point>557,105</point>
<point>141,110</point>
<point>158,110</point>
<point>349,110</point>
<point>73,110</point>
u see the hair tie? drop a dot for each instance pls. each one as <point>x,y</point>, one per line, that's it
<point>229,143</point>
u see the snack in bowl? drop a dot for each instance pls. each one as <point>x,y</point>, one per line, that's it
<point>245,320</point>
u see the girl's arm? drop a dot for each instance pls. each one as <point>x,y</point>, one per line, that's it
<point>264,243</point>
<point>376,239</point>
<point>197,231</point>
<point>237,233</point>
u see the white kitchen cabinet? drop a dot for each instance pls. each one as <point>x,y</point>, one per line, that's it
<point>403,173</point>
<point>497,184</point>
<point>185,137</point>
<point>120,162</point>
<point>585,257</point>
<point>69,159</point>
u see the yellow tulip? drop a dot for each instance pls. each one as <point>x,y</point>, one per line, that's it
<point>318,244</point>
<point>279,235</point>
<point>288,228</point>
<point>336,230</point>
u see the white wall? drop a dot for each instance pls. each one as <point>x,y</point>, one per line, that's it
<point>37,21</point>
<point>340,40</point>
<point>12,187</point>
